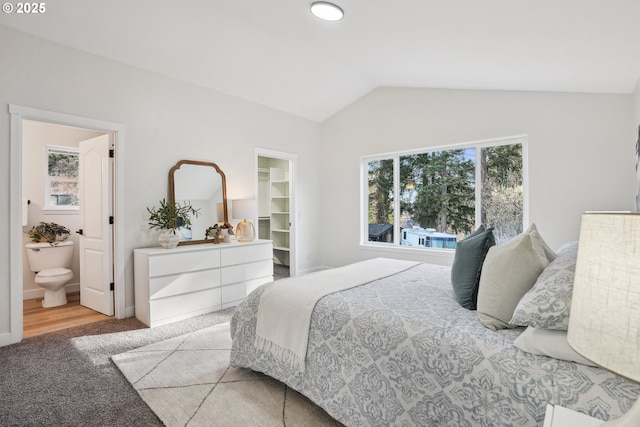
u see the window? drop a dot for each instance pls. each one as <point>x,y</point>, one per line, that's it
<point>62,178</point>
<point>433,198</point>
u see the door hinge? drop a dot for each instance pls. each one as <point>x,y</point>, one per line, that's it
<point>112,286</point>
<point>110,220</point>
<point>112,153</point>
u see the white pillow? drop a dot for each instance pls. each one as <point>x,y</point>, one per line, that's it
<point>551,343</point>
<point>509,271</point>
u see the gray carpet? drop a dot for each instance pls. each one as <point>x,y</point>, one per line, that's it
<point>67,378</point>
<point>187,381</point>
<point>280,271</point>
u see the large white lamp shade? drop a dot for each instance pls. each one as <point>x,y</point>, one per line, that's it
<point>604,324</point>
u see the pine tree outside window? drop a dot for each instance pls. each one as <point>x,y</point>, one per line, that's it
<point>434,198</point>
<point>61,191</point>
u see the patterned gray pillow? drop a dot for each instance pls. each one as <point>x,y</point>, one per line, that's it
<point>548,303</point>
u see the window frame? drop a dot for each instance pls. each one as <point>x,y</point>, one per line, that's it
<point>395,155</point>
<point>48,207</point>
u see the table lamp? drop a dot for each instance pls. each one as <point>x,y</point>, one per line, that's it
<point>248,208</point>
<point>604,324</point>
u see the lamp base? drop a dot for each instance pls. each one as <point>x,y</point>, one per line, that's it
<point>245,232</point>
<point>630,419</point>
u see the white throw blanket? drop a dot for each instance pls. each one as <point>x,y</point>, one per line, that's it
<point>284,313</point>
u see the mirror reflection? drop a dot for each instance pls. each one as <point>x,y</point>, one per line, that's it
<point>203,186</point>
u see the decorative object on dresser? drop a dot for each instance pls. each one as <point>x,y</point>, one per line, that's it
<point>191,280</point>
<point>169,218</point>
<point>220,233</point>
<point>604,324</point>
<point>245,231</point>
<point>203,184</point>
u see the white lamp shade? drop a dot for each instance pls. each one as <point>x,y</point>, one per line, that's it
<point>604,324</point>
<point>244,209</point>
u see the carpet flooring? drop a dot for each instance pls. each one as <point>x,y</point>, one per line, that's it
<point>187,381</point>
<point>67,378</point>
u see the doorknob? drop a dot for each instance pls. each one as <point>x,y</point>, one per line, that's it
<point>79,231</point>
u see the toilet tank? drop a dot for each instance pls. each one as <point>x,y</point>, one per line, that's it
<point>42,256</point>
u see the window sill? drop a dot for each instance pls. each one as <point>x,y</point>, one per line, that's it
<point>61,212</point>
<point>437,256</point>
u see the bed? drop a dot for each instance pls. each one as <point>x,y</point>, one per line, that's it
<point>402,351</point>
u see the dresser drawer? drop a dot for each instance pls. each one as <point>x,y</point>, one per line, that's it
<point>241,254</point>
<point>184,306</point>
<point>181,262</point>
<point>243,272</point>
<point>176,284</point>
<point>233,294</point>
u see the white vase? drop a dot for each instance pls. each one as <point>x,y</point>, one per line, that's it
<point>168,239</point>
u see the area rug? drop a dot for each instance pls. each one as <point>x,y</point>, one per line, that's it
<point>187,381</point>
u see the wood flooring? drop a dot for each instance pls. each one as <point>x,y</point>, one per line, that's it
<point>38,320</point>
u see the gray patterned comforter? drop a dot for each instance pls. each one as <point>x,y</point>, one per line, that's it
<point>400,351</point>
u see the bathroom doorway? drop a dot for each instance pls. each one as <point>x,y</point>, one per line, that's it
<point>32,128</point>
<point>52,178</point>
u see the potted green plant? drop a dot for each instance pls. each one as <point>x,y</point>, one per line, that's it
<point>48,232</point>
<point>167,218</point>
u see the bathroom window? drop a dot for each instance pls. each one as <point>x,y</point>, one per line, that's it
<point>62,178</point>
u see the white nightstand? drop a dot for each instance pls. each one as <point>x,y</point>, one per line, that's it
<point>557,416</point>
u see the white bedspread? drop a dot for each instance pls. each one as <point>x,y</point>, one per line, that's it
<point>284,313</point>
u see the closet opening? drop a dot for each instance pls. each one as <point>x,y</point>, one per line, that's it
<point>276,202</point>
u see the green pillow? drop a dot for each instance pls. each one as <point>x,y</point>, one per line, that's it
<point>467,264</point>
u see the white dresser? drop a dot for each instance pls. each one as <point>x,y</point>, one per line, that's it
<point>175,284</point>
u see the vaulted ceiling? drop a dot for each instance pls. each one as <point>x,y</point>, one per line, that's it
<point>276,53</point>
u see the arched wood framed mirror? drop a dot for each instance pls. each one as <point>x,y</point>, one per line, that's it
<point>203,186</point>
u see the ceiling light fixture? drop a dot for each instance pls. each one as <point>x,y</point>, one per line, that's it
<point>327,11</point>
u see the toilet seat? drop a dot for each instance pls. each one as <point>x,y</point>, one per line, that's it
<point>52,273</point>
<point>53,276</point>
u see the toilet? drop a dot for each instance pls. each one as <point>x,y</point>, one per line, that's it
<point>51,263</point>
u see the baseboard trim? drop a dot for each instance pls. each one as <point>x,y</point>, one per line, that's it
<point>5,339</point>
<point>130,311</point>
<point>39,293</point>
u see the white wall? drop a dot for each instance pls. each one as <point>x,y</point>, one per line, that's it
<point>166,120</point>
<point>35,138</point>
<point>635,114</point>
<point>579,156</point>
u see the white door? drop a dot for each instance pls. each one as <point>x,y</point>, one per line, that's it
<point>96,236</point>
